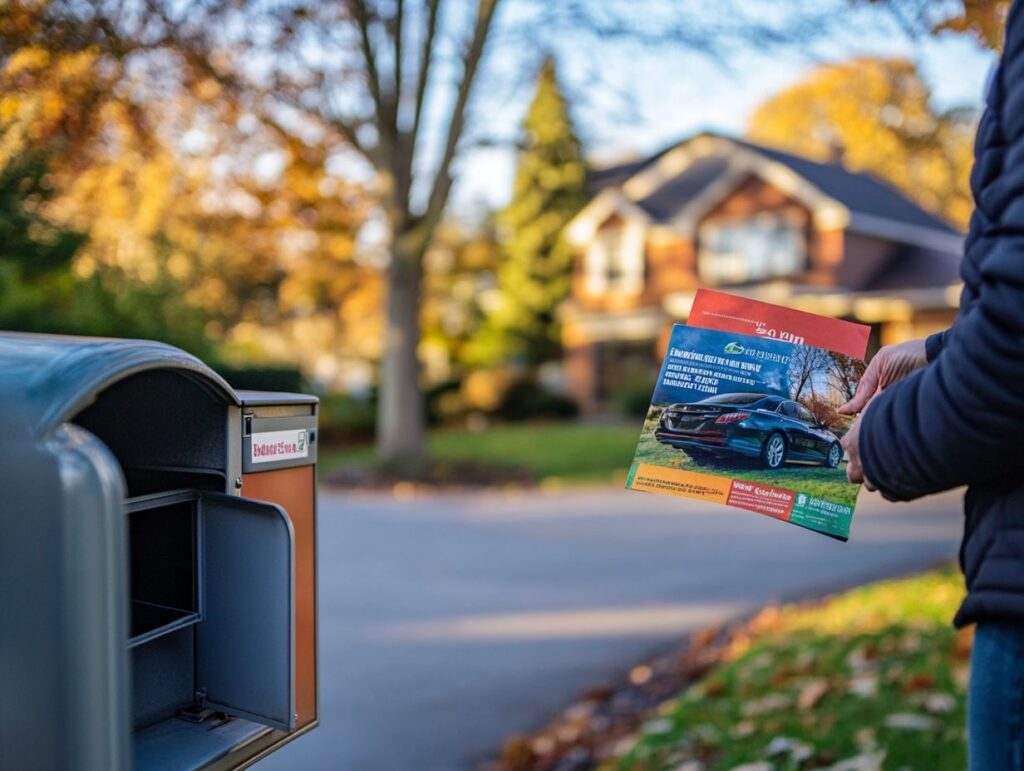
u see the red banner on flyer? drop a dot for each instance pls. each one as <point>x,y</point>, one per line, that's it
<point>717,310</point>
<point>774,501</point>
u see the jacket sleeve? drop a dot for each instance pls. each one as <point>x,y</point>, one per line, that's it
<point>933,345</point>
<point>960,420</point>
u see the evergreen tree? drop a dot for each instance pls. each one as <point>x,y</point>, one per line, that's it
<point>534,274</point>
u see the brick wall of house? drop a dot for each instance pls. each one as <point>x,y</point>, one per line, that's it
<point>580,375</point>
<point>828,250</point>
<point>754,195</point>
<point>671,264</point>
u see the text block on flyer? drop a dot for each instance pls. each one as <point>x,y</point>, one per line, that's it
<point>657,479</point>
<point>774,501</point>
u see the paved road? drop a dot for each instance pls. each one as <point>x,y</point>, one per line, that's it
<point>449,622</point>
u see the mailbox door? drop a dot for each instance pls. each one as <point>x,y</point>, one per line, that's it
<point>245,659</point>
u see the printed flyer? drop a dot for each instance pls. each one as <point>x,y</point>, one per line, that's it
<point>750,420</point>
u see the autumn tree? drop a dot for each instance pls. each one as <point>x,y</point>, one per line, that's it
<point>878,114</point>
<point>161,161</point>
<point>389,87</point>
<point>534,275</point>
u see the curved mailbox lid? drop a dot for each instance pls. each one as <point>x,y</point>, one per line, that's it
<point>46,379</point>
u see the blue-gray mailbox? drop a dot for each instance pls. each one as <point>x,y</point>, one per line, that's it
<point>157,568</point>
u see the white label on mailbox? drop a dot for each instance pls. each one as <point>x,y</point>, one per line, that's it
<point>272,446</point>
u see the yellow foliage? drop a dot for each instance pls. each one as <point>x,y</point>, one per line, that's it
<point>28,58</point>
<point>274,255</point>
<point>484,389</point>
<point>877,112</point>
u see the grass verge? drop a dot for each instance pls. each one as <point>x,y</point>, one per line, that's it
<point>868,680</point>
<point>873,679</point>
<point>570,453</point>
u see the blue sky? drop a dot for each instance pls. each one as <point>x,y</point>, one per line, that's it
<point>674,94</point>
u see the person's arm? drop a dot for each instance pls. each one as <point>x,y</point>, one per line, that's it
<point>933,345</point>
<point>961,419</point>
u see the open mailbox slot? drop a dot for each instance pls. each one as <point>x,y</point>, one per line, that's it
<point>222,566</point>
<point>163,557</point>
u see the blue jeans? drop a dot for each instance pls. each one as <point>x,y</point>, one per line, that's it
<point>995,698</point>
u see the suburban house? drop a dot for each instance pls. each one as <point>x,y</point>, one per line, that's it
<point>724,213</point>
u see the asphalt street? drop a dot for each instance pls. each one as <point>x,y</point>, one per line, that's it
<point>449,622</point>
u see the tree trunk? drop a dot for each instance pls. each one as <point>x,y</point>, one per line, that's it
<point>400,413</point>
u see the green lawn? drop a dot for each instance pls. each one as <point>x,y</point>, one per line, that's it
<point>877,674</point>
<point>813,480</point>
<point>554,452</point>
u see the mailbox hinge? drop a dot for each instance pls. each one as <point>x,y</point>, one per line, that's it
<point>195,712</point>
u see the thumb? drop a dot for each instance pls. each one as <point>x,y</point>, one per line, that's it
<point>865,390</point>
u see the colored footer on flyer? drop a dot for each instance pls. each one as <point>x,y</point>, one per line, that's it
<point>808,511</point>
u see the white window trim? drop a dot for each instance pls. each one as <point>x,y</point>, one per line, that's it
<point>631,261</point>
<point>595,268</point>
<point>631,269</point>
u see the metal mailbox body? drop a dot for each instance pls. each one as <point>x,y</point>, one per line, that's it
<point>157,587</point>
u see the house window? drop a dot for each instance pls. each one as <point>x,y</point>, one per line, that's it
<point>761,247</point>
<point>615,260</point>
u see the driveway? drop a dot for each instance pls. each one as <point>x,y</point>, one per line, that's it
<point>448,623</point>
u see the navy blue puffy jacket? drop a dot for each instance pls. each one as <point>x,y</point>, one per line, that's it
<point>960,420</point>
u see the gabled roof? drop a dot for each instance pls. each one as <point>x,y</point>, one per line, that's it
<point>607,176</point>
<point>681,183</point>
<point>668,199</point>
<point>860,192</point>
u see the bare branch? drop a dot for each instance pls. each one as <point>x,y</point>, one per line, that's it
<point>405,141</point>
<point>397,38</point>
<point>471,62</point>
<point>348,130</point>
<point>423,72</point>
<point>362,17</point>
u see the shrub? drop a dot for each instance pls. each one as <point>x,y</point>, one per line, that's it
<point>289,379</point>
<point>633,398</point>
<point>484,390</point>
<point>444,403</point>
<point>344,419</point>
<point>526,399</point>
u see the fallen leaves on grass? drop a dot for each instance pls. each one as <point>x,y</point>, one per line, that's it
<point>811,693</point>
<point>872,678</point>
<point>867,680</point>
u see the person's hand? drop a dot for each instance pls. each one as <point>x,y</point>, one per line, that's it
<point>851,443</point>
<point>891,363</point>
